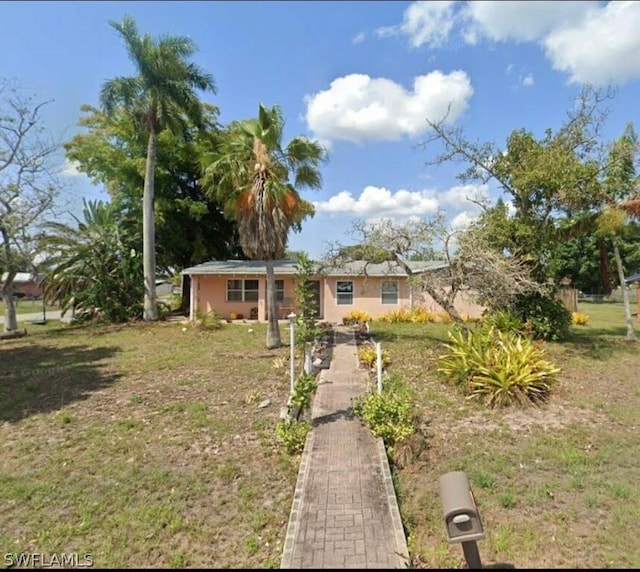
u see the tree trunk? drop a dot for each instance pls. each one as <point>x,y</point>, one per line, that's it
<point>149,233</point>
<point>13,334</point>
<point>273,329</point>
<point>10,318</point>
<point>605,270</point>
<point>631,334</point>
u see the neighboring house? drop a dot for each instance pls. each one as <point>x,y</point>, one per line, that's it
<point>630,280</point>
<point>239,286</point>
<point>25,284</point>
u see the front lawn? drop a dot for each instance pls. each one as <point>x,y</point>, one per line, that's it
<point>147,445</point>
<point>557,486</point>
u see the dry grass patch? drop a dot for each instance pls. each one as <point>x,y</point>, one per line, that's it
<point>144,445</point>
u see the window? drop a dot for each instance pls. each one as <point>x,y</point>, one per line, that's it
<point>279,290</point>
<point>242,290</point>
<point>389,292</point>
<point>234,290</point>
<point>344,293</point>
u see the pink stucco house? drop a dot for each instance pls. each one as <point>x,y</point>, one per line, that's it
<point>239,286</point>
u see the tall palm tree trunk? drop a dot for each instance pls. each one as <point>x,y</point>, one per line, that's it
<point>149,232</point>
<point>631,334</point>
<point>273,329</point>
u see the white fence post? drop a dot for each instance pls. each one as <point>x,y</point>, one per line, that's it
<point>379,363</point>
<point>292,342</point>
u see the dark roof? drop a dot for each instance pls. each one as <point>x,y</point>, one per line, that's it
<point>289,267</point>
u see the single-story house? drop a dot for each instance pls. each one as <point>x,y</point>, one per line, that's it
<point>25,284</point>
<point>239,287</point>
<point>631,280</point>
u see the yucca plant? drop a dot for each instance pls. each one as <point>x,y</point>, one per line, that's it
<point>579,319</point>
<point>355,317</point>
<point>421,316</point>
<point>499,368</point>
<point>368,356</point>
<point>396,316</point>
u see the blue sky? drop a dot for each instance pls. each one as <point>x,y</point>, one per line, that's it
<point>360,76</point>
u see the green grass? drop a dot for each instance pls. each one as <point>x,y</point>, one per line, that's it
<point>136,444</point>
<point>556,486</point>
<point>29,307</point>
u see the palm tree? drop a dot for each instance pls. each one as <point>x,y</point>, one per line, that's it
<point>258,181</point>
<point>161,96</point>
<point>94,266</point>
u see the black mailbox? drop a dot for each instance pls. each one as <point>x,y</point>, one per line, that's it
<point>461,516</point>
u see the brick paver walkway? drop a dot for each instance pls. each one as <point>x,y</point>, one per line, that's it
<point>345,513</point>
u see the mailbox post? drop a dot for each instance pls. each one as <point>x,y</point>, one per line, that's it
<point>461,516</point>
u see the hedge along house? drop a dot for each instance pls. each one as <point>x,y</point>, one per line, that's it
<point>239,287</point>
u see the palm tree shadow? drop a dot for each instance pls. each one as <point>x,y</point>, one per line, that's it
<point>40,379</point>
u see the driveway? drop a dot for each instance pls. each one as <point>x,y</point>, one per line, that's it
<point>26,318</point>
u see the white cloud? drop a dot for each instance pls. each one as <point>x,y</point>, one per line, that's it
<point>528,81</point>
<point>591,41</point>
<point>602,48</point>
<point>375,202</point>
<point>521,21</point>
<point>70,168</point>
<point>424,23</point>
<point>358,38</point>
<point>464,196</point>
<point>357,107</point>
<point>463,220</point>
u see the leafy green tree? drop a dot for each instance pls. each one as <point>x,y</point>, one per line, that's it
<point>259,178</point>
<point>162,95</point>
<point>544,178</point>
<point>306,302</point>
<point>620,184</point>
<point>94,267</point>
<point>190,226</point>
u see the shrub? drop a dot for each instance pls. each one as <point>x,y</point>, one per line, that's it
<point>421,316</point>
<point>292,435</point>
<point>303,390</point>
<point>503,320</point>
<point>579,319</point>
<point>396,316</point>
<point>355,317</point>
<point>209,321</point>
<point>499,368</point>
<point>544,317</point>
<point>368,356</point>
<point>388,414</point>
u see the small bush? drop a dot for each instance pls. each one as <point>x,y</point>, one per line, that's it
<point>396,316</point>
<point>292,435</point>
<point>303,391</point>
<point>368,356</point>
<point>544,317</point>
<point>503,320</point>
<point>421,316</point>
<point>388,414</point>
<point>356,317</point>
<point>579,319</point>
<point>209,321</point>
<point>499,368</point>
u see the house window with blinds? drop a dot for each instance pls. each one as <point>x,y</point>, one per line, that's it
<point>242,290</point>
<point>389,291</point>
<point>344,292</point>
